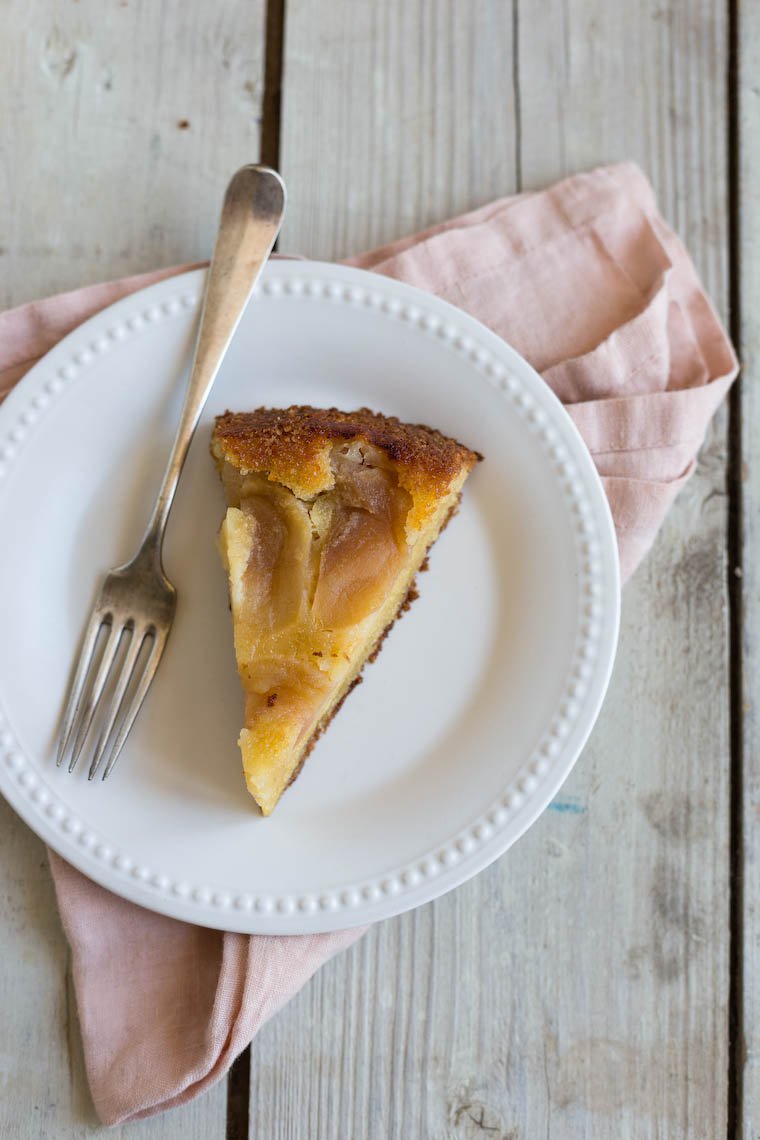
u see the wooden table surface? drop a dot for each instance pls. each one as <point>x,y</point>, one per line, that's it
<point>599,980</point>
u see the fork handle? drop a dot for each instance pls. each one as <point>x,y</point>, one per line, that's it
<point>251,218</point>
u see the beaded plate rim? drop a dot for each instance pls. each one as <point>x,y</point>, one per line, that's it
<point>525,797</point>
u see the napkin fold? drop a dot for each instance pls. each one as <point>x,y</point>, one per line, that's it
<point>587,281</point>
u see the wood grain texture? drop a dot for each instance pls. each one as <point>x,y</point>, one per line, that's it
<point>121,124</point>
<point>578,988</point>
<point>747,1044</point>
<point>394,115</point>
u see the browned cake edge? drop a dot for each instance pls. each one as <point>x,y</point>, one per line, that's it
<point>412,595</point>
<point>268,439</point>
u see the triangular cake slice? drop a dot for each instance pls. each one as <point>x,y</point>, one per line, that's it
<point>330,516</point>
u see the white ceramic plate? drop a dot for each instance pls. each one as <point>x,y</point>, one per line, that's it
<point>481,699</point>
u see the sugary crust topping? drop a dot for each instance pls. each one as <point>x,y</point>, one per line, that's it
<point>293,446</point>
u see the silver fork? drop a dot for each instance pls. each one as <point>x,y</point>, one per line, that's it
<point>136,602</point>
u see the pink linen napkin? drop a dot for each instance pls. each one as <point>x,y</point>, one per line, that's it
<point>587,281</point>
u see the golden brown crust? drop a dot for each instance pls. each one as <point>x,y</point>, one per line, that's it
<point>291,445</point>
<point>319,730</point>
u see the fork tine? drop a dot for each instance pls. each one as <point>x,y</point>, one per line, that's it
<point>127,668</point>
<point>154,656</point>
<point>104,668</point>
<point>77,685</point>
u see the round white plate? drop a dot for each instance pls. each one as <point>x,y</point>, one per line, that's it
<point>477,706</point>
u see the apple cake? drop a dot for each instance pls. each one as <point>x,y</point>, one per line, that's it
<point>329,517</point>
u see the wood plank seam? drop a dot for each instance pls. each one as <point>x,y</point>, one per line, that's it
<point>274,41</point>
<point>238,1096</point>
<point>516,93</point>
<point>734,555</point>
<point>239,1077</point>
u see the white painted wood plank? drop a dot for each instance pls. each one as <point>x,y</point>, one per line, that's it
<point>395,115</point>
<point>121,125</point>
<point>578,988</point>
<point>652,81</point>
<point>101,177</point>
<point>748,1043</point>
